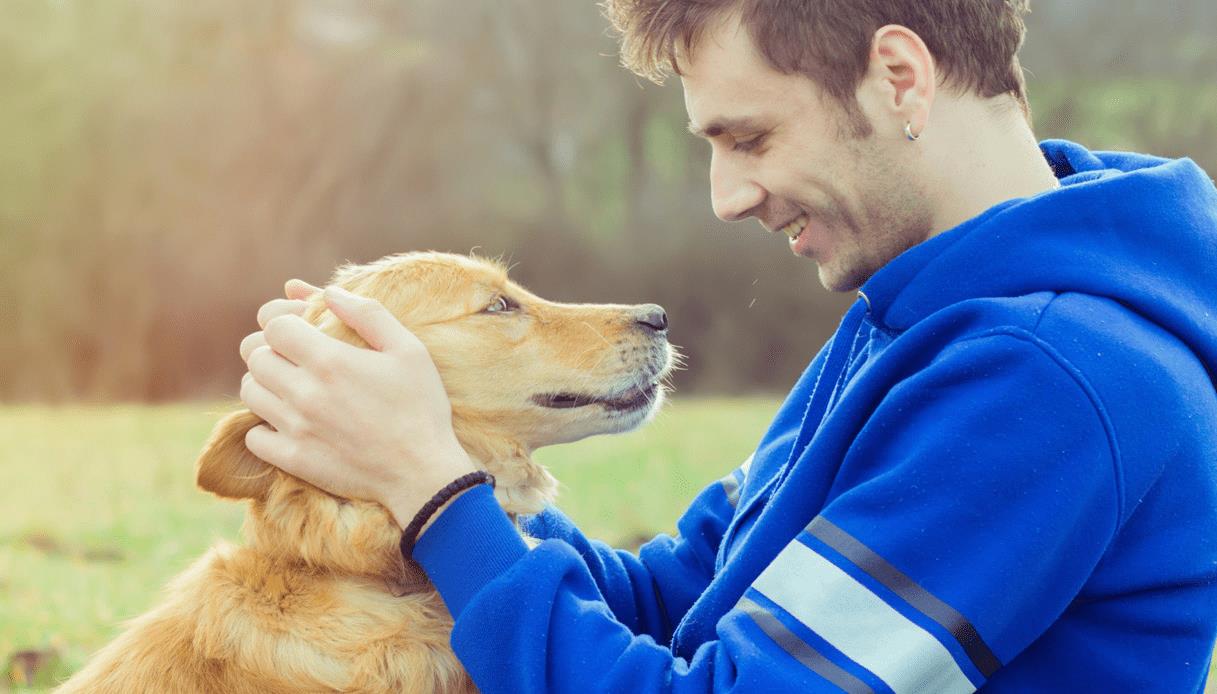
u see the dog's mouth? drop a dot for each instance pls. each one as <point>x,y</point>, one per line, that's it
<point>635,398</point>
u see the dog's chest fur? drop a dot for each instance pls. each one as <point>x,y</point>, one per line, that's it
<point>239,622</point>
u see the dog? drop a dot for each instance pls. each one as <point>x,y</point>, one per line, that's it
<point>318,598</point>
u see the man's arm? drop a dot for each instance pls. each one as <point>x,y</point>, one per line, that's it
<point>650,592</point>
<point>976,503</point>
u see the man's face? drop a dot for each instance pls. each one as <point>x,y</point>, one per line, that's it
<point>786,153</point>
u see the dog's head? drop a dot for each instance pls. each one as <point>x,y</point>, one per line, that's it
<point>521,373</point>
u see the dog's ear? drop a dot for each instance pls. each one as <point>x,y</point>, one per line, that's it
<point>226,467</point>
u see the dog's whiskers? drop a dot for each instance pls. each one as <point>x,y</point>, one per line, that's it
<point>597,332</point>
<point>598,351</point>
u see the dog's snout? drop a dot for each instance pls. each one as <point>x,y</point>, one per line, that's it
<point>652,316</point>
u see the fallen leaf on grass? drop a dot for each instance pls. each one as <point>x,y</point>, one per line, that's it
<point>45,542</point>
<point>32,666</point>
<point>52,546</point>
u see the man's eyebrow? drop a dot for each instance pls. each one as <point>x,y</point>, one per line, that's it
<point>719,126</point>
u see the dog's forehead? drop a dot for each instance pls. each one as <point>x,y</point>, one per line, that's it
<point>467,282</point>
<point>447,268</point>
<point>461,274</point>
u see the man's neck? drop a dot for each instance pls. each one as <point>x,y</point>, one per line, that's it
<point>982,158</point>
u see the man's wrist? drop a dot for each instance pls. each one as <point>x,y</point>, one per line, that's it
<point>433,509</point>
<point>413,495</point>
<point>402,507</point>
<point>405,511</point>
<point>440,511</point>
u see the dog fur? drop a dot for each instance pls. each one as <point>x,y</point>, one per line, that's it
<point>318,598</point>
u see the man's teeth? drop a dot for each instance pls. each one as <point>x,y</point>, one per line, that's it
<point>795,228</point>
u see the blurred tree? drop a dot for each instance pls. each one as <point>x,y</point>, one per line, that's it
<point>165,166</point>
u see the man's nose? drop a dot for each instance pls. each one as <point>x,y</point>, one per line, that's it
<point>732,194</point>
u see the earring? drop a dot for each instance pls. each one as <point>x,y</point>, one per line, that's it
<point>908,132</point>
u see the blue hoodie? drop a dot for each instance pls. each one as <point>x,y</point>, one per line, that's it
<point>999,474</point>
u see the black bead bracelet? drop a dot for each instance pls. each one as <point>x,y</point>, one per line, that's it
<point>409,536</point>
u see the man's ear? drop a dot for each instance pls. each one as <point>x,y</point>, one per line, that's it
<point>226,468</point>
<point>901,80</point>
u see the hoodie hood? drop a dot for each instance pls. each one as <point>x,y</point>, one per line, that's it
<point>1137,229</point>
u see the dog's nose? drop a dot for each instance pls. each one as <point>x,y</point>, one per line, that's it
<point>652,316</point>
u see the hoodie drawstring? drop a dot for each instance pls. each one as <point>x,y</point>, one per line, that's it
<point>839,353</point>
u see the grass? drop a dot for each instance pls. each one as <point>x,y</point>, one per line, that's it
<point>100,507</point>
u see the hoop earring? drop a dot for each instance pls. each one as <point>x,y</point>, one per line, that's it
<point>908,132</point>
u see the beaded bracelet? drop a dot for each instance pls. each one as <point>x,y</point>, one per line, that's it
<point>409,536</point>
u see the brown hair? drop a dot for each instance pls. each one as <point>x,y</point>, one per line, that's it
<point>974,42</point>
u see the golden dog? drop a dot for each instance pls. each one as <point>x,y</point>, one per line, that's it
<point>318,598</point>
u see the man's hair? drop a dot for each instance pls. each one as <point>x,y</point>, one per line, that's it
<point>974,42</point>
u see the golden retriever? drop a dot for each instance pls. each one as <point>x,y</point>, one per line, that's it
<point>318,598</point>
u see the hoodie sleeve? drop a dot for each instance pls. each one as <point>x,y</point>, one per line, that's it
<point>650,592</point>
<point>537,621</point>
<point>967,515</point>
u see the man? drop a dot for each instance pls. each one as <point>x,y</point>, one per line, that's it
<point>998,474</point>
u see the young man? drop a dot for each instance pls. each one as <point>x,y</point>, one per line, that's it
<point>1000,472</point>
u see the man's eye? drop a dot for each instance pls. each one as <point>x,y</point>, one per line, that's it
<point>748,145</point>
<point>501,304</point>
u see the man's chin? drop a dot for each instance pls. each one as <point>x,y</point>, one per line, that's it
<point>837,279</point>
<point>831,276</point>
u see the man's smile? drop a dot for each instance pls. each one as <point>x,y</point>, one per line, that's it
<point>795,227</point>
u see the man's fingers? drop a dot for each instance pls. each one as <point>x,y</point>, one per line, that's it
<point>264,403</point>
<point>299,289</point>
<point>277,374</point>
<point>369,318</point>
<point>280,307</point>
<point>251,342</point>
<point>297,340</point>
<point>271,446</point>
<point>282,451</point>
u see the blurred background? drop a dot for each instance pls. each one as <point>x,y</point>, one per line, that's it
<point>165,166</point>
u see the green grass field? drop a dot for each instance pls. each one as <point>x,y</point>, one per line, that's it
<point>100,508</point>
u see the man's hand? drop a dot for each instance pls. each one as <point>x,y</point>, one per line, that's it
<point>370,424</point>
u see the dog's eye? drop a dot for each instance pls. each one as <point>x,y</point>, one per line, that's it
<point>502,304</point>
